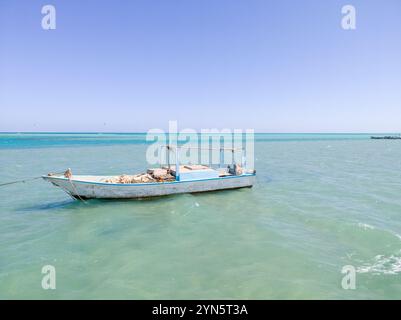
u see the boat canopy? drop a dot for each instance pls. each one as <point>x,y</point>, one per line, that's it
<point>189,172</point>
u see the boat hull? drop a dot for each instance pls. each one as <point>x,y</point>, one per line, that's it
<point>81,189</point>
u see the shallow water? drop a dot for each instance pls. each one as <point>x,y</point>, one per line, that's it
<point>320,202</point>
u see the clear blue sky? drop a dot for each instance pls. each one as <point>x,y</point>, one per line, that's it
<point>275,66</point>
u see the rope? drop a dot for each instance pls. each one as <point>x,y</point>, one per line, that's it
<point>76,192</point>
<point>40,177</point>
<point>19,181</point>
<point>25,180</point>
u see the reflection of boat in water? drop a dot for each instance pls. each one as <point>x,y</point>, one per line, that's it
<point>386,137</point>
<point>155,182</point>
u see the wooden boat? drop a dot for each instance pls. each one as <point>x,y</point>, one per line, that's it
<point>187,179</point>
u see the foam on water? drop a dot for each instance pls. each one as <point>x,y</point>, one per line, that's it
<point>365,226</point>
<point>383,265</point>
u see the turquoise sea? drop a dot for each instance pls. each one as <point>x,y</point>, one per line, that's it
<point>321,201</point>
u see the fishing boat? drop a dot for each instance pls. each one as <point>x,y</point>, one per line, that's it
<point>386,137</point>
<point>167,180</point>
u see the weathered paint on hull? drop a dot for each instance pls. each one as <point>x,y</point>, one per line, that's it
<point>88,190</point>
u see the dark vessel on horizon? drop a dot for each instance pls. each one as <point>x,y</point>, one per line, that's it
<point>386,137</point>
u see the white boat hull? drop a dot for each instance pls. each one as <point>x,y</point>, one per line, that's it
<point>86,187</point>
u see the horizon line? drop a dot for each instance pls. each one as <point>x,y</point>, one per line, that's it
<point>144,132</point>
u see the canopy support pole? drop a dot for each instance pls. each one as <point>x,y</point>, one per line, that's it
<point>177,165</point>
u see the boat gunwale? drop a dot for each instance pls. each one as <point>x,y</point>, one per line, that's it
<point>146,183</point>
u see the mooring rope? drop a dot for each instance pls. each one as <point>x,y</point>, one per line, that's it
<point>25,180</point>
<point>40,177</point>
<point>76,192</point>
<point>19,181</point>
